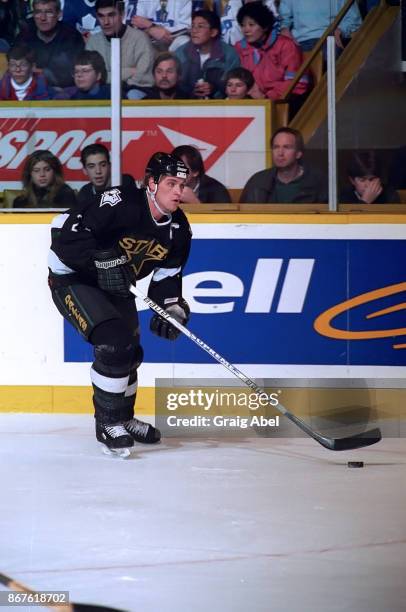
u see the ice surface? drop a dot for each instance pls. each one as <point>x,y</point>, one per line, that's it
<point>227,525</point>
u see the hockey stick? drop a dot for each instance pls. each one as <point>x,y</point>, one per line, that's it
<point>358,441</point>
<point>34,598</point>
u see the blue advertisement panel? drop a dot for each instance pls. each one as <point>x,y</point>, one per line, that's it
<point>287,301</point>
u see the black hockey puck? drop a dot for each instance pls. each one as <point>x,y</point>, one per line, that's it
<point>355,464</point>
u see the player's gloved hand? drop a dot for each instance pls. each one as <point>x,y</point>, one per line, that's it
<point>113,272</point>
<point>178,310</point>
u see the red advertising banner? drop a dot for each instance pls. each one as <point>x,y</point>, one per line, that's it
<point>232,139</point>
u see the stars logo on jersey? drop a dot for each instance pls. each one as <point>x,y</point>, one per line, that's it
<point>139,251</point>
<point>111,197</point>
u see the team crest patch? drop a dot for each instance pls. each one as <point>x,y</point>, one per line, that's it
<point>111,197</point>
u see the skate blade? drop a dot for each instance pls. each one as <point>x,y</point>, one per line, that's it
<point>121,453</point>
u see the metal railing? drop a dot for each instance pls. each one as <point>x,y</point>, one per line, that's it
<point>306,64</point>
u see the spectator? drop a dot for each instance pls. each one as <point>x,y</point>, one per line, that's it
<point>167,72</point>
<point>54,43</point>
<point>137,55</point>
<point>230,28</point>
<point>199,188</point>
<point>397,173</point>
<point>272,59</point>
<point>96,164</point>
<point>305,21</point>
<point>20,82</point>
<point>239,81</point>
<point>43,183</point>
<point>89,75</point>
<point>167,22</point>
<point>367,184</point>
<point>206,59</point>
<point>289,181</point>
<point>81,15</point>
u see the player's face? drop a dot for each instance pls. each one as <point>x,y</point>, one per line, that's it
<point>284,152</point>
<point>236,89</point>
<point>20,70</point>
<point>46,17</point>
<point>201,33</point>
<point>166,76</point>
<point>252,30</point>
<point>169,192</point>
<point>85,77</point>
<point>42,175</point>
<point>110,19</point>
<point>97,169</point>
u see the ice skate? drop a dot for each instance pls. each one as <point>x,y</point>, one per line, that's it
<point>142,432</point>
<point>115,439</point>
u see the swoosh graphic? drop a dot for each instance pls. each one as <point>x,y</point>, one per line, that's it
<point>323,323</point>
<point>385,311</point>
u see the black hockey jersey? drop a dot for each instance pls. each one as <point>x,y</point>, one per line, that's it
<point>122,220</point>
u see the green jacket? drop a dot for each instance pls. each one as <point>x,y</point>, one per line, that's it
<point>264,188</point>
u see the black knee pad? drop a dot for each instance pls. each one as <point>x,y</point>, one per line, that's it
<point>112,355</point>
<point>111,359</point>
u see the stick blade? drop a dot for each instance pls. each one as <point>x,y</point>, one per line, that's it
<point>367,438</point>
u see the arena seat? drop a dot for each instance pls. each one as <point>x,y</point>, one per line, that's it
<point>235,195</point>
<point>9,195</point>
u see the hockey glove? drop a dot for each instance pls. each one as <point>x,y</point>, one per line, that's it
<point>113,272</point>
<point>178,310</point>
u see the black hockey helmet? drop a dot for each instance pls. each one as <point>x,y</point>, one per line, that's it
<point>165,164</point>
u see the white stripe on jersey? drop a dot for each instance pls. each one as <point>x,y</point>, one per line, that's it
<point>59,220</point>
<point>56,265</point>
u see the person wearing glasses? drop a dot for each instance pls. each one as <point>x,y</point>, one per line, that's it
<point>206,59</point>
<point>89,75</point>
<point>20,82</point>
<point>54,43</point>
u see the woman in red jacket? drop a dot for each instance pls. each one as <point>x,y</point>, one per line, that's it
<point>272,59</point>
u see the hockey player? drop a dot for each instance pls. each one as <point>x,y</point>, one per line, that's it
<point>97,251</point>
